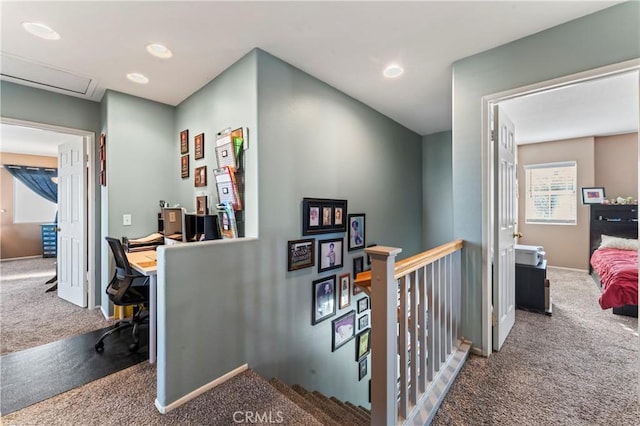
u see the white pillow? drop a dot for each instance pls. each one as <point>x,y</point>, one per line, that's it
<point>619,243</point>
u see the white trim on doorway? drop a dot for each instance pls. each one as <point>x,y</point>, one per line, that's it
<point>487,171</point>
<point>89,138</point>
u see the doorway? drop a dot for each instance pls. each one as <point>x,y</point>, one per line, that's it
<point>489,214</point>
<point>88,139</point>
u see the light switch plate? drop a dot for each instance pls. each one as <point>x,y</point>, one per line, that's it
<point>126,219</point>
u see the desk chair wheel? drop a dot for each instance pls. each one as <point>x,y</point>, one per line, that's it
<point>99,346</point>
<point>134,347</point>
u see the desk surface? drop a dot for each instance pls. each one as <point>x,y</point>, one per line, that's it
<point>144,262</point>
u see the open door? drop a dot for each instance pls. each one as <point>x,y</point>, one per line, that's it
<point>72,209</point>
<point>504,268</point>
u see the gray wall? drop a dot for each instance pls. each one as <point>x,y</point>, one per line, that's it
<point>437,205</point>
<point>600,39</point>
<point>226,303</point>
<point>39,106</point>
<point>142,168</point>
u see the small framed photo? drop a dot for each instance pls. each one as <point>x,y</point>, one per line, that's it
<point>343,329</point>
<point>324,299</point>
<point>201,205</point>
<point>363,304</point>
<point>301,254</point>
<point>201,176</point>
<point>358,266</point>
<point>593,195</point>
<point>345,291</point>
<point>363,344</point>
<point>323,216</point>
<point>362,368</point>
<point>356,231</point>
<point>369,257</point>
<point>184,142</point>
<point>330,254</point>
<point>199,146</point>
<point>184,166</point>
<point>363,322</point>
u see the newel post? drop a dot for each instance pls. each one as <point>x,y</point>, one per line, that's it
<point>384,342</point>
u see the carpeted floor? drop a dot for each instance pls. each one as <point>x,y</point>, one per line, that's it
<point>30,317</point>
<point>577,367</point>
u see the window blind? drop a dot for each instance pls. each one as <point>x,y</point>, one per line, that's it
<point>551,196</point>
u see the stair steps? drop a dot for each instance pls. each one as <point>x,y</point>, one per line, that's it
<point>328,411</point>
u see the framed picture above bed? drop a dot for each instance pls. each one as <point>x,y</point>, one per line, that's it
<point>593,195</point>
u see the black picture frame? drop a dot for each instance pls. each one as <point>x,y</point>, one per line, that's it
<point>199,146</point>
<point>184,141</point>
<point>363,344</point>
<point>323,303</point>
<point>363,322</point>
<point>184,166</point>
<point>323,216</point>
<point>593,195</point>
<point>369,257</point>
<point>344,292</point>
<point>330,254</point>
<point>362,368</point>
<point>358,266</point>
<point>356,232</point>
<point>301,254</point>
<point>343,330</point>
<point>363,304</point>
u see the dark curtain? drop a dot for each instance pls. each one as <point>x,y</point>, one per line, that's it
<point>37,179</point>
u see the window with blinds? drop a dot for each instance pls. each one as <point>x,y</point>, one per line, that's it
<point>551,196</point>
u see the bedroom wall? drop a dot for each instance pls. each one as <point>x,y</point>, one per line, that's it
<point>616,165</point>
<point>566,245</point>
<point>18,239</point>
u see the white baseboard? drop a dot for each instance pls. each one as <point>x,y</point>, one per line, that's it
<point>202,389</point>
<point>568,269</point>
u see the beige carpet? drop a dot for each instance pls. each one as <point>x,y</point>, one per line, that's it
<point>577,367</point>
<point>30,317</point>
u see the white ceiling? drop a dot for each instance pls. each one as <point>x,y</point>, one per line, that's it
<point>345,44</point>
<point>27,140</point>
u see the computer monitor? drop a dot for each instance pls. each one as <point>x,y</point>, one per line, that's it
<point>173,219</point>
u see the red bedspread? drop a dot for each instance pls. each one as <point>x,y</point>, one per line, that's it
<point>618,271</point>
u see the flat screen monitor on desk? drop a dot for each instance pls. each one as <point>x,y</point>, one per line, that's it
<point>174,224</point>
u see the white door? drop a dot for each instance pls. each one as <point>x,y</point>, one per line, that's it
<point>72,234</point>
<point>504,269</point>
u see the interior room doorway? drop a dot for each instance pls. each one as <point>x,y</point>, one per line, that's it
<point>490,177</point>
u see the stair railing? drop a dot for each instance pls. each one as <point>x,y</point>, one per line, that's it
<point>405,335</point>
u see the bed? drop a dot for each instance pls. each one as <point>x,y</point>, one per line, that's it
<point>613,260</point>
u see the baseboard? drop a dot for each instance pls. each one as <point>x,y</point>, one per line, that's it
<point>23,258</point>
<point>568,269</point>
<point>164,409</point>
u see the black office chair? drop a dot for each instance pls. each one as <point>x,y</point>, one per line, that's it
<point>123,291</point>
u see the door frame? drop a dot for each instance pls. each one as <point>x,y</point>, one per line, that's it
<point>488,174</point>
<point>89,141</point>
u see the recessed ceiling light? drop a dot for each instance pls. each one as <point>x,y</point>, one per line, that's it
<point>40,30</point>
<point>393,71</point>
<point>159,50</point>
<point>136,77</point>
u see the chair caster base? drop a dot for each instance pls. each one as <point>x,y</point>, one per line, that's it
<point>99,346</point>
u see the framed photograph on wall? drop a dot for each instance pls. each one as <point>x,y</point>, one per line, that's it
<point>363,304</point>
<point>363,322</point>
<point>362,368</point>
<point>184,142</point>
<point>199,146</point>
<point>184,166</point>
<point>594,195</point>
<point>323,216</point>
<point>201,176</point>
<point>301,254</point>
<point>358,266</point>
<point>323,304</point>
<point>343,330</point>
<point>356,231</point>
<point>363,344</point>
<point>345,291</point>
<point>330,254</point>
<point>201,205</point>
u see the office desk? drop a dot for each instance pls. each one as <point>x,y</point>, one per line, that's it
<point>145,262</point>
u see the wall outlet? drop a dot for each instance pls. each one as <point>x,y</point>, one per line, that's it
<point>126,219</point>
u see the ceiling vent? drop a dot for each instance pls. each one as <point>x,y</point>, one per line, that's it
<point>46,77</point>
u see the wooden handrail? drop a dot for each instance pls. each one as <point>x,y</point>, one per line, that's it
<point>410,264</point>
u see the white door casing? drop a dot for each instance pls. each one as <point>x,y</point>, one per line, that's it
<point>504,227</point>
<point>72,192</point>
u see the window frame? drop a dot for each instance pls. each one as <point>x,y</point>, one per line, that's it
<point>573,192</point>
